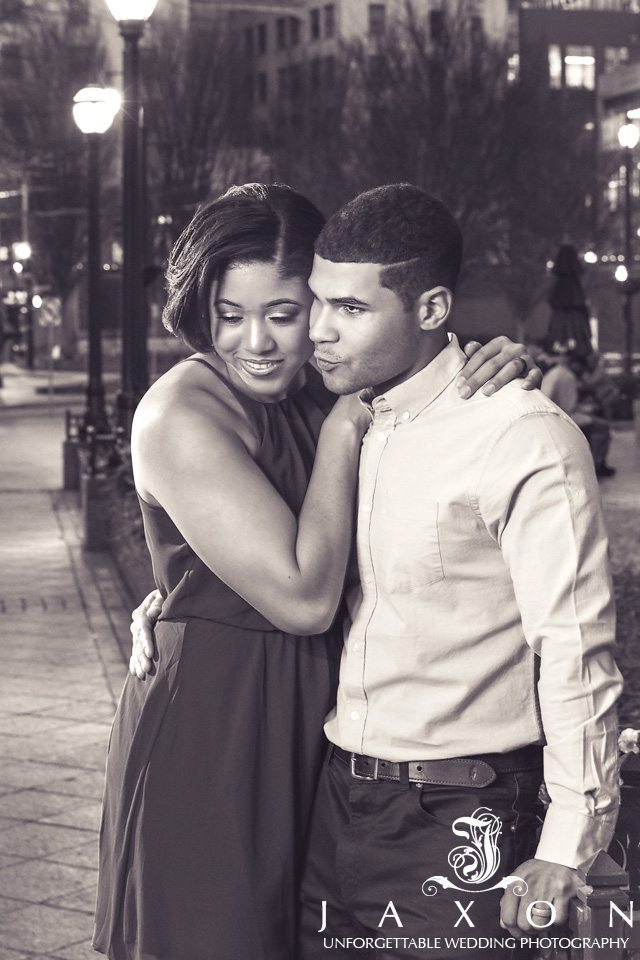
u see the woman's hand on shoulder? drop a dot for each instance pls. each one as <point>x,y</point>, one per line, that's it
<point>495,364</point>
<point>350,411</point>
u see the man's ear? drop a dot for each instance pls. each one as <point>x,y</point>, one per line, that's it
<point>434,306</point>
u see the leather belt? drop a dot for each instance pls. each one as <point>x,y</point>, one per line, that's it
<point>478,771</point>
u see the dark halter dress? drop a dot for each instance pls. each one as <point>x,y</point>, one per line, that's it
<point>213,760</point>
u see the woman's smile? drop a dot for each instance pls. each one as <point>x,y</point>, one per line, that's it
<point>260,368</point>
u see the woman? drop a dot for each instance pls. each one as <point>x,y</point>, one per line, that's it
<point>246,476</point>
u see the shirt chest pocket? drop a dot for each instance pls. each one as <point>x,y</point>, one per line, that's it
<point>406,546</point>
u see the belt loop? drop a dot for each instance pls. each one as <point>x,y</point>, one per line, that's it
<point>329,753</point>
<point>403,771</point>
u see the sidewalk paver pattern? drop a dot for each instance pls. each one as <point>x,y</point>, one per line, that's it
<point>61,675</point>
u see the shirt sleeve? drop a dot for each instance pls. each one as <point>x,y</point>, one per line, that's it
<point>539,498</point>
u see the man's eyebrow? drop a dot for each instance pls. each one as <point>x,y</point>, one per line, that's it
<point>349,301</point>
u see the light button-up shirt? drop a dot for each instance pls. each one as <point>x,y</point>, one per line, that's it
<point>484,621</point>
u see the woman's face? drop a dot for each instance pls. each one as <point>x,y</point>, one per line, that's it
<point>260,327</point>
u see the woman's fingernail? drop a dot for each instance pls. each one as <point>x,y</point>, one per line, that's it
<point>464,389</point>
<point>488,390</point>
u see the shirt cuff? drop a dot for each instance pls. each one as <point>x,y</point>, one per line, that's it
<point>571,838</point>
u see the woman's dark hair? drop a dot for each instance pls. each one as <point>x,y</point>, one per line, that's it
<point>252,223</point>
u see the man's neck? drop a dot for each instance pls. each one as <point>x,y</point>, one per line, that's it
<point>432,345</point>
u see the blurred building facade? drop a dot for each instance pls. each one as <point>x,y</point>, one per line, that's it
<point>290,43</point>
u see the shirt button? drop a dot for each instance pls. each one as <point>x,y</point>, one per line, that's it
<point>406,415</point>
<point>354,715</point>
<point>367,580</point>
<point>357,647</point>
<point>382,436</point>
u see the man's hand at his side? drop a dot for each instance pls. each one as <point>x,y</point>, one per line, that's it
<point>143,620</point>
<point>549,882</point>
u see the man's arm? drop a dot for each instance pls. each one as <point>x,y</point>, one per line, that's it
<point>539,498</point>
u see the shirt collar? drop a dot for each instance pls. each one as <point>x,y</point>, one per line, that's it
<point>409,398</point>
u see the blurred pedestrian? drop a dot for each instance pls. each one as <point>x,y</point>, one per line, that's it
<point>569,320</point>
<point>561,384</point>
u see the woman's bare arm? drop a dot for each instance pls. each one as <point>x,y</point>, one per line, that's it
<point>199,469</point>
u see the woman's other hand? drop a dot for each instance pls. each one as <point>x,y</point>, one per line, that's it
<point>350,409</point>
<point>495,364</point>
<point>143,620</point>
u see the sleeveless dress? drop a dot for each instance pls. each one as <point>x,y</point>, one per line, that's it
<point>213,759</point>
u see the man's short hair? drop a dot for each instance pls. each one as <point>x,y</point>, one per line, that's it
<point>401,227</point>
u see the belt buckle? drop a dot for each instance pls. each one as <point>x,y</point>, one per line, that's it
<point>360,776</point>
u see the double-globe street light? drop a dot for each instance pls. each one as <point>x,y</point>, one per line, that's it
<point>94,109</point>
<point>132,16</point>
<point>628,137</point>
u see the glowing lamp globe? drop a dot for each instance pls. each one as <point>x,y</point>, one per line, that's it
<point>628,136</point>
<point>131,10</point>
<point>621,274</point>
<point>95,107</point>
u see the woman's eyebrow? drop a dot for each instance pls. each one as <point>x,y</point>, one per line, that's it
<point>229,303</point>
<point>275,303</point>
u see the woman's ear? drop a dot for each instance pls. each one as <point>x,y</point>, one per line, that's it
<point>434,306</point>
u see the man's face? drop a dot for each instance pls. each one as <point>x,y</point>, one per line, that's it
<point>363,335</point>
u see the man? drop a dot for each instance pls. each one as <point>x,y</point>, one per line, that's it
<point>483,623</point>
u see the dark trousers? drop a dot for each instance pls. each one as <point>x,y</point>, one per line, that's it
<point>372,846</point>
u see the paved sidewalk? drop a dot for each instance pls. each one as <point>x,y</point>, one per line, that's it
<point>61,613</point>
<point>20,388</point>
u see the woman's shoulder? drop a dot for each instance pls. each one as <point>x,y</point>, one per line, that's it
<point>192,392</point>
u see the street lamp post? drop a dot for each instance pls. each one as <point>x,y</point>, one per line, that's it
<point>22,267</point>
<point>628,136</point>
<point>132,16</point>
<point>94,109</point>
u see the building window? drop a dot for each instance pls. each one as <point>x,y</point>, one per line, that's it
<point>281,33</point>
<point>12,61</point>
<point>376,69</point>
<point>261,87</point>
<point>377,18</point>
<point>329,71</point>
<point>615,57</point>
<point>78,13</point>
<point>295,82</point>
<point>580,67</point>
<point>248,41</point>
<point>314,73</point>
<point>555,66</point>
<point>283,81</point>
<point>294,31</point>
<point>476,26</point>
<point>262,38</point>
<point>249,84</point>
<point>314,20</point>
<point>436,26</point>
<point>11,9</point>
<point>330,20</point>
